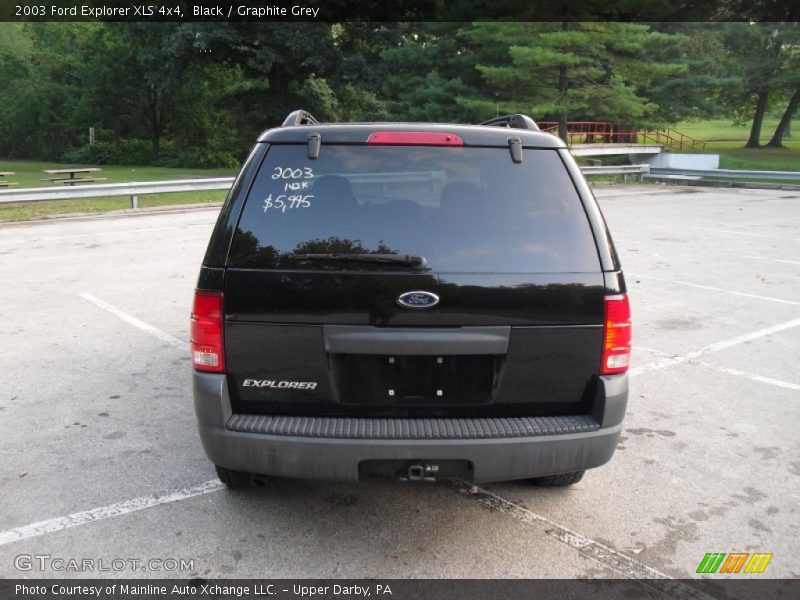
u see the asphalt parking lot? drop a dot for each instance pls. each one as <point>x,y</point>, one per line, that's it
<point>101,458</point>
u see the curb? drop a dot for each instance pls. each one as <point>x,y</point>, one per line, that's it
<point>677,180</point>
<point>125,212</point>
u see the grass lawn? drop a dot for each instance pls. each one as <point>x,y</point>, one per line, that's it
<point>26,211</point>
<point>723,130</point>
<point>728,140</point>
<point>732,155</point>
<point>29,174</point>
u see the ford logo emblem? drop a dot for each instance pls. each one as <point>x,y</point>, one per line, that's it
<point>418,300</point>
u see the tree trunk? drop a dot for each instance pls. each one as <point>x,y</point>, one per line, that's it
<point>563,88</point>
<point>758,118</point>
<point>151,118</point>
<point>158,130</point>
<point>563,133</point>
<point>159,116</point>
<point>783,126</point>
<point>155,141</point>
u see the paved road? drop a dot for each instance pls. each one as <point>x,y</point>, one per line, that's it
<point>96,413</point>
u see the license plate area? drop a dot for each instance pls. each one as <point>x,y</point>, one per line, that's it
<point>413,380</point>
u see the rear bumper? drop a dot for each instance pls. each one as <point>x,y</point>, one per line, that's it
<point>336,456</point>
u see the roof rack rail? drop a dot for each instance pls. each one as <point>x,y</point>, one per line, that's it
<point>299,117</point>
<point>517,121</point>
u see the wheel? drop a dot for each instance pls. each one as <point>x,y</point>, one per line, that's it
<point>561,480</point>
<point>232,478</point>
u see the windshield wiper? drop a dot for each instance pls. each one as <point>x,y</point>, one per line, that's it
<point>397,259</point>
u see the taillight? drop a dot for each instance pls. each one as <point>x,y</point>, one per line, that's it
<point>616,335</point>
<point>206,332</point>
<point>414,138</point>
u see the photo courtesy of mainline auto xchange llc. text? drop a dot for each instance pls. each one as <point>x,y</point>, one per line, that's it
<point>232,589</point>
<point>399,303</point>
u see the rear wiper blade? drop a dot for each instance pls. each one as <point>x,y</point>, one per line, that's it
<point>399,259</point>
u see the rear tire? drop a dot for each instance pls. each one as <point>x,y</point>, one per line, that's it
<point>231,478</point>
<point>562,480</point>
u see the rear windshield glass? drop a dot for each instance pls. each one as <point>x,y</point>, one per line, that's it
<point>462,209</point>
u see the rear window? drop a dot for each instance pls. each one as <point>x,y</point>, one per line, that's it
<point>462,209</point>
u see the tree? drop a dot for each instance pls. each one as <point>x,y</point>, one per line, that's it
<point>783,125</point>
<point>594,70</point>
<point>791,79</point>
<point>762,55</point>
<point>42,103</point>
<point>197,94</point>
<point>700,90</point>
<point>432,77</point>
<point>144,76</point>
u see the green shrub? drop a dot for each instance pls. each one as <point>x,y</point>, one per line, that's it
<point>120,152</point>
<point>140,152</point>
<point>198,158</point>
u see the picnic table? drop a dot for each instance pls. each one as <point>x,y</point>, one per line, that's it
<point>73,175</point>
<point>4,183</point>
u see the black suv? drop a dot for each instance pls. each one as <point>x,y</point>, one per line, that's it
<point>414,301</point>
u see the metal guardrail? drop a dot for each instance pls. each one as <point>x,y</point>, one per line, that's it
<point>617,170</point>
<point>726,173</point>
<point>139,188</point>
<point>133,189</point>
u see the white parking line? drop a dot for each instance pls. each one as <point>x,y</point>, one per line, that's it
<point>600,193</point>
<point>161,335</point>
<point>728,371</point>
<point>715,289</point>
<point>657,300</point>
<point>752,376</point>
<point>747,233</point>
<point>105,512</point>
<point>715,230</point>
<point>715,347</point>
<point>651,350</point>
<point>618,562</point>
<point>779,260</point>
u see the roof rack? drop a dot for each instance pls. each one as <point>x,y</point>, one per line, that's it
<point>517,121</point>
<point>299,117</point>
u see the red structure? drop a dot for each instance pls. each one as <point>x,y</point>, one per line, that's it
<point>603,132</point>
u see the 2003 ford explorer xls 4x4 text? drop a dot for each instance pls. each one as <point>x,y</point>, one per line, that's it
<point>413,301</point>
